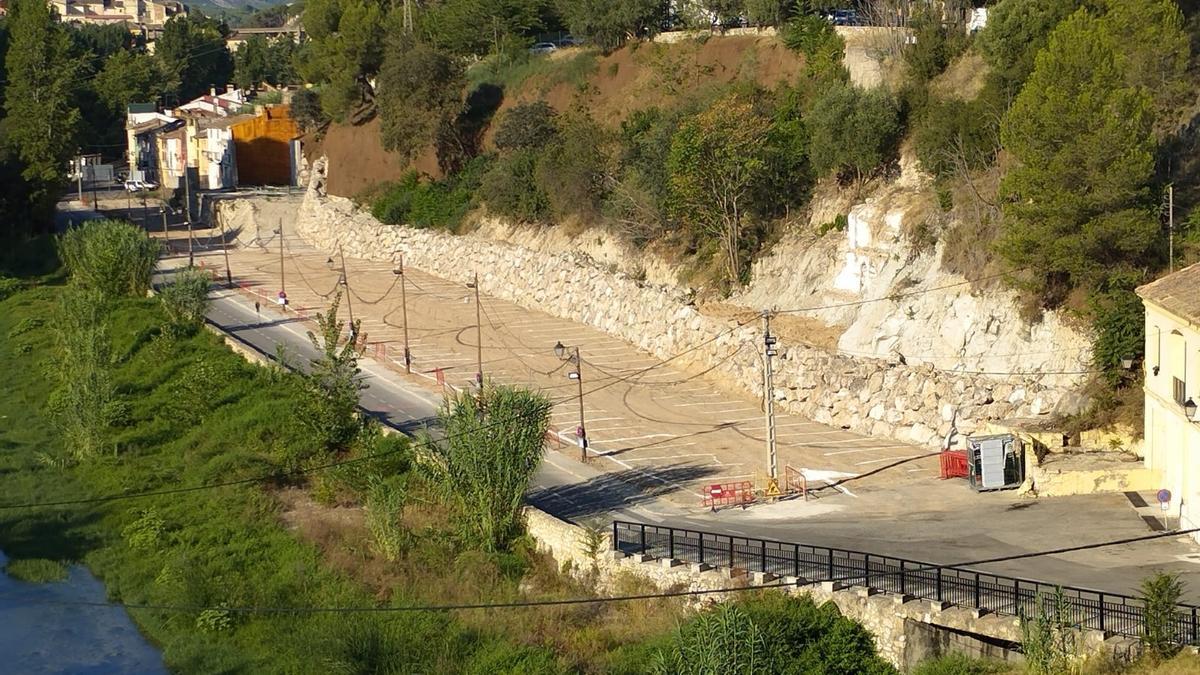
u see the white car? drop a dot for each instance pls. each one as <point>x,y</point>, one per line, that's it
<point>138,186</point>
<point>543,48</point>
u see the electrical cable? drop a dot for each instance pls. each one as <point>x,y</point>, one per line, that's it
<point>894,296</point>
<point>523,604</point>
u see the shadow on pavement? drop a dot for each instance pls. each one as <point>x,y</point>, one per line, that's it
<point>621,489</point>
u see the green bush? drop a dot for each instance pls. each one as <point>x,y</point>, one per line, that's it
<point>1119,322</point>
<point>935,44</point>
<point>1161,593</point>
<point>852,130</point>
<point>953,135</point>
<point>771,633</point>
<point>185,299</point>
<point>385,503</point>
<point>510,189</point>
<point>414,202</point>
<point>112,257</point>
<point>526,126</point>
<point>8,286</point>
<point>572,169</point>
<point>822,47</point>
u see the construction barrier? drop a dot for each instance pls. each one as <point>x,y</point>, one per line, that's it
<point>729,494</point>
<point>954,464</point>
<point>795,482</point>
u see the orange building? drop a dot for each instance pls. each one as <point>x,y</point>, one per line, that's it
<point>267,147</point>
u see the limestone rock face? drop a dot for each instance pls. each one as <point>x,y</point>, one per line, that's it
<point>952,342</point>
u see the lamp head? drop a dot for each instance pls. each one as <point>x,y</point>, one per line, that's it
<point>1189,409</point>
<point>559,349</point>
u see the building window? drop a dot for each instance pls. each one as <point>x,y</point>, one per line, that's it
<point>1180,392</point>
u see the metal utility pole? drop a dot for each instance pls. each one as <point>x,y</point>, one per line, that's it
<point>162,211</point>
<point>399,271</point>
<point>1170,228</point>
<point>478,334</point>
<point>571,354</point>
<point>769,405</point>
<point>79,176</point>
<point>187,213</point>
<point>225,251</point>
<point>346,283</point>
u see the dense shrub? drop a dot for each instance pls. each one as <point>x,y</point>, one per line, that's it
<point>572,168</point>
<point>852,131</point>
<point>527,126</point>
<point>822,47</point>
<point>771,633</point>
<point>185,299</point>
<point>112,257</point>
<point>510,189</point>
<point>307,111</point>
<point>415,202</point>
<point>952,136</point>
<point>935,44</point>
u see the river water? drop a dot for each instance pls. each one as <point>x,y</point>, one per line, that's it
<point>37,636</point>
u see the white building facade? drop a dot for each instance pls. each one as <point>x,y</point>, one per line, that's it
<point>1172,389</point>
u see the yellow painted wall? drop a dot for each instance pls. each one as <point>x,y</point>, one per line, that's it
<point>264,147</point>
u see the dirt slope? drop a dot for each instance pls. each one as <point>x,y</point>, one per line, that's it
<point>637,76</point>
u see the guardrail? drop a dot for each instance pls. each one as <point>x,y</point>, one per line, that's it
<point>1112,613</point>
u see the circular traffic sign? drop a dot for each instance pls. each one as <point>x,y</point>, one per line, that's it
<point>1164,495</point>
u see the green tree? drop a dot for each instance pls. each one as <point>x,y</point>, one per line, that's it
<point>419,99</point>
<point>1016,31</point>
<point>306,110</point>
<point>851,130</point>
<point>344,50</point>
<point>716,160</point>
<point>491,449</point>
<point>479,27</point>
<point>128,77</point>
<point>1161,593</point>
<point>194,56</point>
<point>250,67</point>
<point>330,409</point>
<point>766,12</point>
<point>609,23</point>
<point>42,115</point>
<point>510,188</point>
<point>1078,207</point>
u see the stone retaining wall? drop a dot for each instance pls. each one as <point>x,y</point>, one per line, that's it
<point>905,631</point>
<point>917,404</point>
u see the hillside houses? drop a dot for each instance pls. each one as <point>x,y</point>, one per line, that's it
<point>215,142</point>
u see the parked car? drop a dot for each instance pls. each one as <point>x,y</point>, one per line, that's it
<point>844,17</point>
<point>568,41</point>
<point>138,186</point>
<point>543,48</point>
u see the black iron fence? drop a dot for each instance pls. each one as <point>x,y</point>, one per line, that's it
<point>1110,612</point>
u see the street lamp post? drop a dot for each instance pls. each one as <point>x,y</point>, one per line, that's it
<point>571,354</point>
<point>282,288</point>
